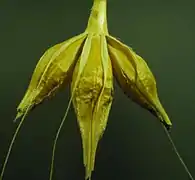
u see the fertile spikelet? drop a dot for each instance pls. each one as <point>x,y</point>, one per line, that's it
<point>92,89</point>
<point>53,69</point>
<point>135,78</point>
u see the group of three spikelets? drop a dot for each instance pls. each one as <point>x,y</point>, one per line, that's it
<point>90,61</point>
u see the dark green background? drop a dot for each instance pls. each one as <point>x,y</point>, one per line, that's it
<point>134,145</point>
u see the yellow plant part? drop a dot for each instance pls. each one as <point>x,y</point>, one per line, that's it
<point>89,62</point>
<point>135,78</point>
<point>53,69</point>
<point>92,95</point>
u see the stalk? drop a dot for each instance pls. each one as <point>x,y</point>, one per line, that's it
<point>97,22</point>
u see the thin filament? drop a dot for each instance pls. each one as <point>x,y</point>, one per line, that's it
<point>177,153</point>
<point>56,138</point>
<point>12,143</point>
<point>83,60</point>
<point>59,130</point>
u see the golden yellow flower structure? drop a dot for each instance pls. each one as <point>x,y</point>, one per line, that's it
<point>89,62</point>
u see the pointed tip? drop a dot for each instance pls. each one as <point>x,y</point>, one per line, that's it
<point>165,120</point>
<point>162,115</point>
<point>88,175</point>
<point>88,178</point>
<point>18,115</point>
<point>167,126</point>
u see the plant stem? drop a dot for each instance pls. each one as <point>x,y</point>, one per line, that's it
<point>97,22</point>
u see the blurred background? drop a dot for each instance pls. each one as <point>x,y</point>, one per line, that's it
<point>134,145</point>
